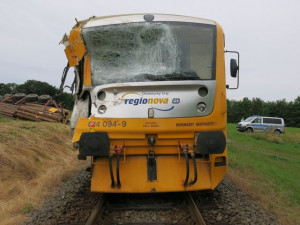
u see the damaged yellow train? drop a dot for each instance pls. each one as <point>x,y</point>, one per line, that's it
<point>150,101</point>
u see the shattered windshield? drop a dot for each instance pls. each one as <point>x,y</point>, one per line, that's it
<point>158,51</point>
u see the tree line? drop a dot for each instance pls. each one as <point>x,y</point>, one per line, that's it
<point>39,88</point>
<point>289,111</point>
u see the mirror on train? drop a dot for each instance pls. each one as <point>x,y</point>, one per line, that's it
<point>233,67</point>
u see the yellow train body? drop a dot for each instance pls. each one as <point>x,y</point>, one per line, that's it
<point>129,137</point>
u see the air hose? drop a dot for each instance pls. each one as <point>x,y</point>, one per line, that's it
<point>111,171</point>
<point>195,169</point>
<point>187,167</point>
<point>118,169</point>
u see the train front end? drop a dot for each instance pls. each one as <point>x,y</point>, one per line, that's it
<point>150,102</point>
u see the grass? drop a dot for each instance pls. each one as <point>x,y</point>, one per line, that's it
<point>4,119</point>
<point>35,158</point>
<point>267,167</point>
<point>27,209</point>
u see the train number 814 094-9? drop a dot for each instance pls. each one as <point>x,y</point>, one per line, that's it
<point>108,123</point>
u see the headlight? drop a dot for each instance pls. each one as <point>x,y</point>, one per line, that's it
<point>150,113</point>
<point>203,91</point>
<point>102,109</point>
<point>201,107</point>
<point>101,95</point>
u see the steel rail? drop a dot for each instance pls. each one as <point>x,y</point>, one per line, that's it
<point>99,208</point>
<point>193,209</point>
<point>103,203</point>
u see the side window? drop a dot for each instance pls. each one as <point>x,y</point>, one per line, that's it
<point>272,121</point>
<point>257,120</point>
<point>277,121</point>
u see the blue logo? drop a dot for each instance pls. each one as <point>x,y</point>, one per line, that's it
<point>140,100</point>
<point>176,100</point>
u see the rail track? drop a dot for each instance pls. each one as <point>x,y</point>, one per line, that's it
<point>178,202</point>
<point>74,202</point>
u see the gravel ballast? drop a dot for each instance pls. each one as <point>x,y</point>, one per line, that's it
<point>73,202</point>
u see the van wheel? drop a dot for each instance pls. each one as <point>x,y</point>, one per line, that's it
<point>277,132</point>
<point>249,130</point>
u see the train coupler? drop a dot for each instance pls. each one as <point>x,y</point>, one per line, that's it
<point>151,166</point>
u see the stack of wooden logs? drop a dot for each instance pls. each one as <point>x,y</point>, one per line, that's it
<point>34,112</point>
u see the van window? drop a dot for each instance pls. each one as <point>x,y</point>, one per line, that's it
<point>272,120</point>
<point>249,119</point>
<point>257,120</point>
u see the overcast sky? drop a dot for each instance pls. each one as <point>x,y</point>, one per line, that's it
<point>265,32</point>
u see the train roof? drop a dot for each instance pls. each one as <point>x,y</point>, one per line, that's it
<point>133,18</point>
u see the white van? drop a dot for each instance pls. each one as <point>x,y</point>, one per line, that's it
<point>262,124</point>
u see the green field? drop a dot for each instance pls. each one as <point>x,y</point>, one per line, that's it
<point>268,166</point>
